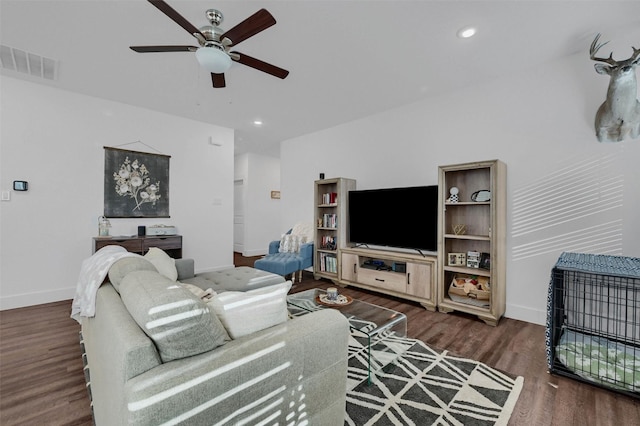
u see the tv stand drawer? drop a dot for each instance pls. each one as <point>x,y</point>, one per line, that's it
<point>385,279</point>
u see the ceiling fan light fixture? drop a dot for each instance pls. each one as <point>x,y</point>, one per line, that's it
<point>467,32</point>
<point>213,59</point>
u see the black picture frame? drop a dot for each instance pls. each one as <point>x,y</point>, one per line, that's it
<point>485,261</point>
<point>136,184</point>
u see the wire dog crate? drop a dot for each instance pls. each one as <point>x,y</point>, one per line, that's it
<point>593,321</point>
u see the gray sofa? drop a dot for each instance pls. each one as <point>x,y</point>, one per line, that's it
<point>291,373</point>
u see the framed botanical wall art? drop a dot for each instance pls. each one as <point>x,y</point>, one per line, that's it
<point>136,184</point>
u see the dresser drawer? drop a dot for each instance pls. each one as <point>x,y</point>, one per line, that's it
<point>133,245</point>
<point>164,243</point>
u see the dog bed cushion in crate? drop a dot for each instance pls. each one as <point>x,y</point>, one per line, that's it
<point>600,360</point>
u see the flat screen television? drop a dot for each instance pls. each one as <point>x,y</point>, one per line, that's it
<point>395,217</point>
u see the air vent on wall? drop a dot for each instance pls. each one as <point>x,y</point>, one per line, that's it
<point>28,63</point>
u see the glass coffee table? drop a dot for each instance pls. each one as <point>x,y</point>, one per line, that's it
<point>373,328</point>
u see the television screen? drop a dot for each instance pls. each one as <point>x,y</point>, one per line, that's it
<point>395,217</point>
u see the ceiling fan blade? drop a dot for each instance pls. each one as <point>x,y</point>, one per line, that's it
<point>150,49</point>
<point>176,17</point>
<point>259,21</point>
<point>259,65</point>
<point>218,80</point>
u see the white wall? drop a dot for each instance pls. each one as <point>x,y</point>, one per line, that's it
<point>54,140</point>
<point>260,175</point>
<point>566,191</point>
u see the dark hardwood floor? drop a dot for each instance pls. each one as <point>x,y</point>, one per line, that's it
<point>41,378</point>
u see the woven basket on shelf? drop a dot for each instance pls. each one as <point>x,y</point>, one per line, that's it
<point>471,287</point>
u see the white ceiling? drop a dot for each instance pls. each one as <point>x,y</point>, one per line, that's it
<point>347,59</point>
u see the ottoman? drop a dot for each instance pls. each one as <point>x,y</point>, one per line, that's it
<point>280,263</point>
<point>242,278</point>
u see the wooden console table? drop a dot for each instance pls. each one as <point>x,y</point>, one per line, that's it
<point>171,244</point>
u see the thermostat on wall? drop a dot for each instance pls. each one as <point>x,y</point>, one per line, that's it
<point>20,185</point>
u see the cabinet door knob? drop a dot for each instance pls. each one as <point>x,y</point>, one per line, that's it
<point>409,278</point>
<point>379,279</point>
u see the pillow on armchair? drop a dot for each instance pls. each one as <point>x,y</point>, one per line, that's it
<point>290,243</point>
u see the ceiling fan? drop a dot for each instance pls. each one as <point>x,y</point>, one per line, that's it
<point>214,52</point>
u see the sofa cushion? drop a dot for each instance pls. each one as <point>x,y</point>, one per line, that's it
<point>165,264</point>
<point>177,321</point>
<point>244,313</point>
<point>123,266</point>
<point>242,278</point>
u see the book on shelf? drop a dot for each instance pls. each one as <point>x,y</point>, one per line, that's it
<point>330,198</point>
<point>329,220</point>
<point>329,242</point>
<point>328,263</point>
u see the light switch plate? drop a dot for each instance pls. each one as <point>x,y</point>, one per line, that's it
<point>6,195</point>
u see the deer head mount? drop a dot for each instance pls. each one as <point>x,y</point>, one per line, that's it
<point>618,117</point>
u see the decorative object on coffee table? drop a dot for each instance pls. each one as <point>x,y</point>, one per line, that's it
<point>339,301</point>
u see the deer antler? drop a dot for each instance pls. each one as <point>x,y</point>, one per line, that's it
<point>595,47</point>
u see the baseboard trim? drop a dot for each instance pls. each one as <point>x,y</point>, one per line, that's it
<point>252,253</point>
<point>527,314</point>
<point>36,298</point>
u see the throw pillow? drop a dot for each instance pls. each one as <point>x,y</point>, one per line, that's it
<point>178,322</point>
<point>122,267</point>
<point>285,243</point>
<point>243,313</point>
<point>165,264</point>
<point>290,243</point>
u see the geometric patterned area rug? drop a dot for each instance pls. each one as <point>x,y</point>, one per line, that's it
<point>415,385</point>
<point>425,387</point>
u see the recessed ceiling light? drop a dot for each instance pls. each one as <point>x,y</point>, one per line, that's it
<point>257,122</point>
<point>466,32</point>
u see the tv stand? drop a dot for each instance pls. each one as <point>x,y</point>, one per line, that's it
<point>405,275</point>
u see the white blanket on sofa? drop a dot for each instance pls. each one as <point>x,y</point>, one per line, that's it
<point>92,273</point>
